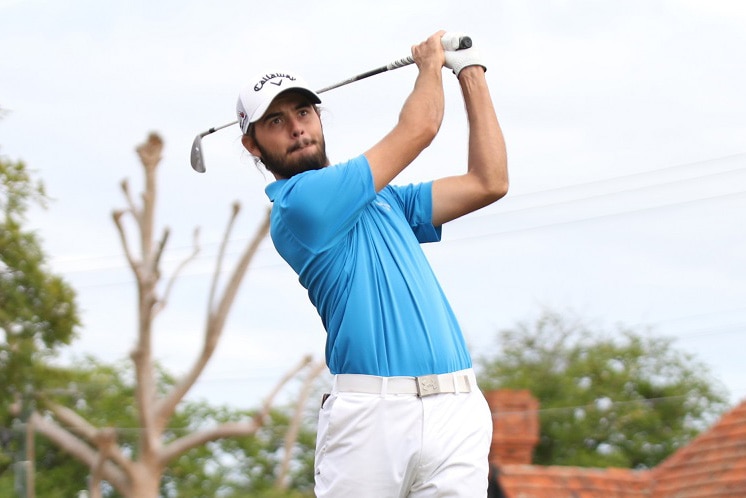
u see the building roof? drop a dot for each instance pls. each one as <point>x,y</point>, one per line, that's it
<point>535,481</point>
<point>713,465</point>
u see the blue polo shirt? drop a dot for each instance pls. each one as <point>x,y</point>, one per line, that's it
<point>358,254</point>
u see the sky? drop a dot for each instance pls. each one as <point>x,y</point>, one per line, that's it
<point>625,125</point>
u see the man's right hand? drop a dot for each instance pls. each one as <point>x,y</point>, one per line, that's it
<point>430,52</point>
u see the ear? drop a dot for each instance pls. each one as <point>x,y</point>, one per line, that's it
<point>250,144</point>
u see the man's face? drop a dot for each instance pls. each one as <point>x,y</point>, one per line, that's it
<point>289,138</point>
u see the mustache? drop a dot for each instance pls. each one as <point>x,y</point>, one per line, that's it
<point>304,142</point>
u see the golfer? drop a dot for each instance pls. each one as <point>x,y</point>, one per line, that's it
<point>404,417</point>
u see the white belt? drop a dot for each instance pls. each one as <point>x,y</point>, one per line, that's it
<point>458,382</point>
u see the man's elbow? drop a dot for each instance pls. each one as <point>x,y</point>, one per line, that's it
<point>488,193</point>
<point>500,189</point>
<point>420,131</point>
<point>424,134</point>
<point>495,188</point>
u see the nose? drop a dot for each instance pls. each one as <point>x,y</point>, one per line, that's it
<point>296,128</point>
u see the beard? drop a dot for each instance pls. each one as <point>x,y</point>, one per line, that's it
<point>285,167</point>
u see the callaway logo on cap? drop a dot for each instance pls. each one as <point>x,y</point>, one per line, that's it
<point>255,99</point>
<point>273,79</point>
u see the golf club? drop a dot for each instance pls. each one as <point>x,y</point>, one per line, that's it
<point>450,42</point>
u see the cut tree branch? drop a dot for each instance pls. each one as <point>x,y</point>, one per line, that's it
<point>291,437</point>
<point>132,208</point>
<point>159,251</point>
<point>222,431</point>
<point>75,423</point>
<point>117,216</point>
<point>221,258</point>
<point>80,450</point>
<point>214,327</point>
<point>171,281</point>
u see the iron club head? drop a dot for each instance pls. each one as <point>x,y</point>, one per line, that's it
<point>198,161</point>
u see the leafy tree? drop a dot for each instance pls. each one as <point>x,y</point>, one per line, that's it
<point>135,463</point>
<point>109,417</point>
<point>257,460</point>
<point>626,399</point>
<point>233,467</point>
<point>38,313</point>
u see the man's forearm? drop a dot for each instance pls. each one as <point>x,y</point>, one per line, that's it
<point>487,153</point>
<point>419,122</point>
<point>423,110</point>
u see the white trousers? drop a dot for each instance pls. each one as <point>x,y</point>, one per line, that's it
<point>401,445</point>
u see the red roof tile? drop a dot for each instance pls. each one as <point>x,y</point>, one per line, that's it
<point>534,481</point>
<point>713,465</point>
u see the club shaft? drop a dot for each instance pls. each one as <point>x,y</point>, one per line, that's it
<point>460,43</point>
<point>393,65</point>
<point>216,128</point>
<point>405,61</point>
<point>463,43</point>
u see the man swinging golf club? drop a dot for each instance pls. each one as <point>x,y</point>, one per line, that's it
<point>404,417</point>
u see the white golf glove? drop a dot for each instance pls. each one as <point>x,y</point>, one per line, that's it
<point>456,60</point>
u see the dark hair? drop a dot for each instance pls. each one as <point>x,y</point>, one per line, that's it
<point>250,132</point>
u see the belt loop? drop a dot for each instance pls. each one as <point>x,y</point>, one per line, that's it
<point>384,386</point>
<point>334,384</point>
<point>456,387</point>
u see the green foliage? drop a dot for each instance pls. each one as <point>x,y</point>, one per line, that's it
<point>38,313</point>
<point>239,467</point>
<point>37,308</point>
<point>230,468</point>
<point>204,471</point>
<point>623,400</point>
<point>57,475</point>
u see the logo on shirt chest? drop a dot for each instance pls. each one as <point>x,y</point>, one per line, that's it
<point>383,205</point>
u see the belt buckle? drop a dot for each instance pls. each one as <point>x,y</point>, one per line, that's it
<point>427,385</point>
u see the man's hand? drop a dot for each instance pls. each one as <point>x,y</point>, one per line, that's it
<point>429,53</point>
<point>457,60</point>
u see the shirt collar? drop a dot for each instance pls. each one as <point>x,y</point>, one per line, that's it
<point>274,188</point>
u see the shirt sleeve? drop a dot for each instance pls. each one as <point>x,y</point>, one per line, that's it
<point>321,206</point>
<point>416,202</point>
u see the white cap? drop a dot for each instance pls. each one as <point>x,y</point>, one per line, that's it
<point>256,97</point>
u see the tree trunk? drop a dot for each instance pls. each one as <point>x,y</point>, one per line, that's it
<point>138,475</point>
<point>146,481</point>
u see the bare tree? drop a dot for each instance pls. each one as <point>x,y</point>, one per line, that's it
<point>138,473</point>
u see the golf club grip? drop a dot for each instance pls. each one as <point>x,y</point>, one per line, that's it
<point>404,61</point>
<point>463,42</point>
<point>452,42</point>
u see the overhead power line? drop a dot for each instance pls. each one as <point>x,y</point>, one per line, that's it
<point>606,407</point>
<point>121,264</point>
